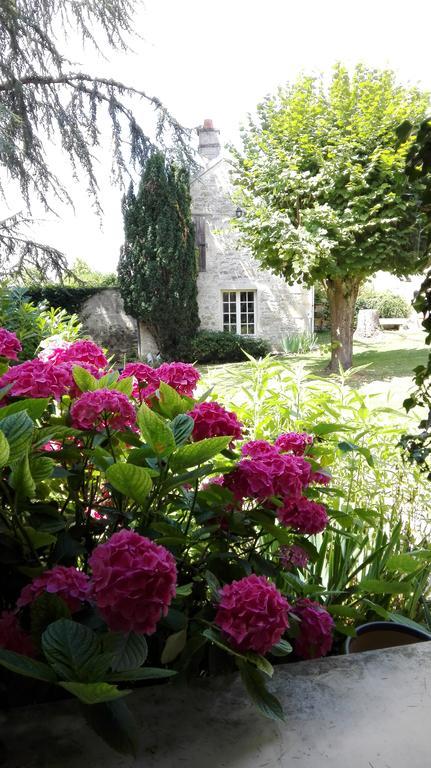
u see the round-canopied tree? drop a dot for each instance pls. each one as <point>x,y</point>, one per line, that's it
<point>320,178</point>
<point>157,266</point>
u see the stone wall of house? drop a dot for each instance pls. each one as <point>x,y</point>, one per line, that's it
<point>280,308</point>
<point>105,320</point>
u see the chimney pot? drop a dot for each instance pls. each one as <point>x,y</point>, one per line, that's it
<point>208,124</point>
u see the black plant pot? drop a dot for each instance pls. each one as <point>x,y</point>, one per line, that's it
<point>384,634</point>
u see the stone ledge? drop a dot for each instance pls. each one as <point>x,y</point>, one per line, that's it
<point>369,710</point>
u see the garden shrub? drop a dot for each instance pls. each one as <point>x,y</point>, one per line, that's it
<point>225,347</point>
<point>386,303</point>
<point>133,508</point>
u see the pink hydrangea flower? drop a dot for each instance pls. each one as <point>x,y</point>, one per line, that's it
<point>258,448</point>
<point>102,408</point>
<point>252,614</point>
<point>294,442</point>
<point>270,474</point>
<point>9,344</point>
<point>133,583</point>
<point>212,420</point>
<point>145,379</point>
<point>323,478</point>
<point>36,378</point>
<point>78,352</point>
<point>315,629</point>
<point>180,376</point>
<point>68,583</point>
<point>293,556</point>
<point>303,515</point>
<point>12,637</point>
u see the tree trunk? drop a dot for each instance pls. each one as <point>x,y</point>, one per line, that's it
<point>342,297</point>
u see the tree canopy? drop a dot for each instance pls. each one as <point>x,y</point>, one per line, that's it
<point>157,267</point>
<point>321,182</point>
<point>44,98</point>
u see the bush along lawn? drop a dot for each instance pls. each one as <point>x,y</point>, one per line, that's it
<point>149,533</point>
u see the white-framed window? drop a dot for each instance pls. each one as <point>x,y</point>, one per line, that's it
<point>239,312</point>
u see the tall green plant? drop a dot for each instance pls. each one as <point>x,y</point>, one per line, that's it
<point>157,267</point>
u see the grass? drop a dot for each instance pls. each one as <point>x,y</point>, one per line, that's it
<point>389,362</point>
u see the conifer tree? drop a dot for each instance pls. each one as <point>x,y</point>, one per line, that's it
<point>157,267</point>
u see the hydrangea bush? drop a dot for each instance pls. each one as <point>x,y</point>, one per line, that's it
<point>144,535</point>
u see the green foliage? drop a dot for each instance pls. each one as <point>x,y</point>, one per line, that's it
<point>224,347</point>
<point>386,303</point>
<point>83,274</point>
<point>418,168</point>
<point>300,343</point>
<point>33,323</point>
<point>67,297</point>
<point>378,506</point>
<point>157,267</point>
<point>321,181</point>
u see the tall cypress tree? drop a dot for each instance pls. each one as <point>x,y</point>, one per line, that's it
<point>157,267</point>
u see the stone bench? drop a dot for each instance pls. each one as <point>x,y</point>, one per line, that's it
<point>392,323</point>
<point>368,709</point>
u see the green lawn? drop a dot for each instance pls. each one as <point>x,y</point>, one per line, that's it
<point>390,362</point>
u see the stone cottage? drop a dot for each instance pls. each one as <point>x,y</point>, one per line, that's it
<point>234,293</point>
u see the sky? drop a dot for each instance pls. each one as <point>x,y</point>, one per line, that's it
<point>217,59</point>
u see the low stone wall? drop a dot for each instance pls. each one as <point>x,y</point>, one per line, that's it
<point>105,320</point>
<point>368,709</point>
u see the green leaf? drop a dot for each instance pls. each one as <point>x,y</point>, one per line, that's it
<point>171,403</point>
<point>4,450</point>
<point>182,427</point>
<point>253,658</point>
<point>83,379</point>
<point>184,591</point>
<point>144,673</point>
<point>125,386</point>
<point>173,646</point>
<point>406,562</point>
<point>18,429</point>
<point>108,381</point>
<point>325,428</point>
<point>44,610</point>
<point>41,468</point>
<point>198,453</point>
<point>114,723</point>
<point>22,665</point>
<point>282,648</point>
<point>94,693</point>
<point>35,407</point>
<point>130,480</point>
<point>256,689</point>
<point>21,478</point>
<point>68,647</point>
<point>155,431</point>
<point>400,619</point>
<point>129,651</point>
<point>378,587</point>
<point>39,539</point>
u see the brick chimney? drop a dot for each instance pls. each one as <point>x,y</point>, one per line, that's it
<point>209,142</point>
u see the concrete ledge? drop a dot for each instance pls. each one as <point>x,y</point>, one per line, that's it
<point>369,710</point>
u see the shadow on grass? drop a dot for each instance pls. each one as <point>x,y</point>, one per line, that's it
<point>382,364</point>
